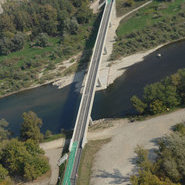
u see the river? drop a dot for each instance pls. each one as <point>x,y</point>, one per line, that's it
<point>58,107</point>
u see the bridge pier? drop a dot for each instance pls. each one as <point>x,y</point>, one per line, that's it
<point>90,121</point>
<point>99,84</point>
<point>105,51</point>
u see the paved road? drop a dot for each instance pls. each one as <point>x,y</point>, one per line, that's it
<point>88,97</point>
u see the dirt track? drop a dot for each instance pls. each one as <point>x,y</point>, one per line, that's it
<point>115,162</point>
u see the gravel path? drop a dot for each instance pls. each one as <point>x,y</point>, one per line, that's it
<point>115,162</point>
<point>53,151</point>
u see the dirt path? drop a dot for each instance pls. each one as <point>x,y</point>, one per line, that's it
<point>53,151</point>
<point>115,162</point>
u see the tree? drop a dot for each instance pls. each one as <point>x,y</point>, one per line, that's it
<point>48,134</point>
<point>180,128</point>
<point>24,159</point>
<point>147,178</point>
<point>148,171</point>
<point>18,41</point>
<point>157,106</point>
<point>5,46</point>
<point>30,128</point>
<point>13,157</point>
<point>139,105</point>
<point>172,157</point>
<point>4,134</point>
<point>33,147</point>
<point>42,40</point>
<point>3,173</point>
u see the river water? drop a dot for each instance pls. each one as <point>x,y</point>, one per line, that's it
<point>58,107</point>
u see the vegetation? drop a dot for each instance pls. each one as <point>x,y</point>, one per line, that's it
<point>85,169</point>
<point>162,96</point>
<point>23,159</point>
<point>36,35</point>
<point>180,128</point>
<point>156,24</point>
<point>4,133</point>
<point>53,137</point>
<point>30,128</point>
<point>124,6</point>
<point>169,166</point>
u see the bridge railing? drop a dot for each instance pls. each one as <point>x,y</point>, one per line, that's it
<point>83,94</point>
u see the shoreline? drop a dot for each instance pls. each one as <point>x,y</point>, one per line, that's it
<point>113,68</point>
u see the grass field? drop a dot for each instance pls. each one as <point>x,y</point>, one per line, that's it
<point>149,15</point>
<point>155,24</point>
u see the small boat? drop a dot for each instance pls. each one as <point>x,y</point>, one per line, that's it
<point>159,55</point>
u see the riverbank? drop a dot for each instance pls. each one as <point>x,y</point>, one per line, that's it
<point>114,162</point>
<point>109,70</point>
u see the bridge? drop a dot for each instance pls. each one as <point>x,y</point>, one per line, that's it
<point>80,131</point>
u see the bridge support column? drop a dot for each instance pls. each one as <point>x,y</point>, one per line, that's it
<point>99,82</point>
<point>90,121</point>
<point>105,51</point>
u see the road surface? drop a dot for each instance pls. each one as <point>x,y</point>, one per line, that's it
<point>86,101</point>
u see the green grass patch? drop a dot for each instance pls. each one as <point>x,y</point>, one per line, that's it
<point>54,137</point>
<point>156,24</point>
<point>149,15</point>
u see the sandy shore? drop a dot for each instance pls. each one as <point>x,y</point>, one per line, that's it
<point>109,70</point>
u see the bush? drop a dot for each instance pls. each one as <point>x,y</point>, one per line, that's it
<point>3,173</point>
<point>42,40</point>
<point>162,96</point>
<point>24,159</point>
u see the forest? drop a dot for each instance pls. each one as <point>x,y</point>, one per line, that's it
<point>37,35</point>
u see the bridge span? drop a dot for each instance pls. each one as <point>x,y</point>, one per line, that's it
<point>79,134</point>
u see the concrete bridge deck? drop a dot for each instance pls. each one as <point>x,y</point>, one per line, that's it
<point>79,135</point>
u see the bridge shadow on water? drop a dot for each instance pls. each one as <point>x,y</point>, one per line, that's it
<point>83,63</point>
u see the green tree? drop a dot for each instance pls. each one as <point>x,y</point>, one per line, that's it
<point>48,134</point>
<point>180,128</point>
<point>13,156</point>
<point>30,128</point>
<point>4,134</point>
<point>33,147</point>
<point>139,105</point>
<point>147,178</point>
<point>42,40</point>
<point>24,159</point>
<point>157,106</point>
<point>172,157</point>
<point>3,173</point>
<point>18,41</point>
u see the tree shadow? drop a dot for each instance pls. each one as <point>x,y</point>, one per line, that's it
<point>115,177</point>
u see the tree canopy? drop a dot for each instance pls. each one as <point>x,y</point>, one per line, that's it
<point>162,96</point>
<point>30,128</point>
<point>24,159</point>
